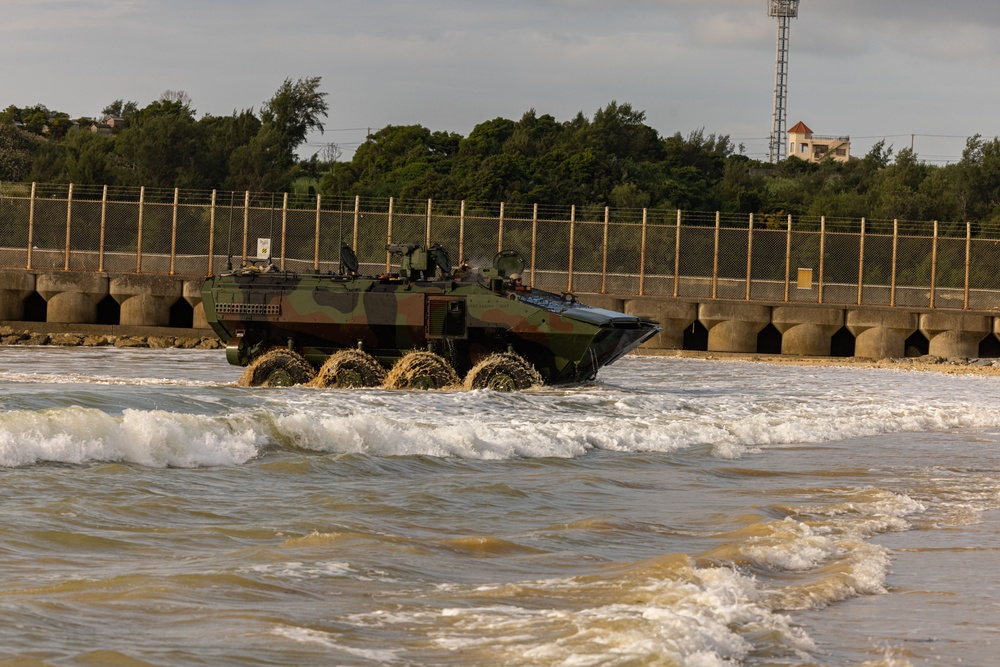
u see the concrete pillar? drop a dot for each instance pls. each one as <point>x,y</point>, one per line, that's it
<point>733,327</point>
<point>145,299</point>
<point>674,317</point>
<point>15,287</point>
<point>807,330</point>
<point>192,294</point>
<point>72,297</point>
<point>880,334</point>
<point>954,334</point>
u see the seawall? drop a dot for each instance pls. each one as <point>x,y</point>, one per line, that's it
<point>161,306</point>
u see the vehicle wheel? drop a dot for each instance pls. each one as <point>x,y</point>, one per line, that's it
<point>421,370</point>
<point>502,372</point>
<point>278,367</point>
<point>350,368</point>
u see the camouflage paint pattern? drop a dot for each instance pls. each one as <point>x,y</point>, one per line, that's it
<point>463,320</point>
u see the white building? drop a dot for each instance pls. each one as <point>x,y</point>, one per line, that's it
<point>805,145</point>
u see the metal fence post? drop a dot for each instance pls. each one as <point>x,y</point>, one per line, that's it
<point>104,217</point>
<point>69,223</point>
<point>246,224</point>
<point>388,236</point>
<point>892,278</point>
<point>357,219</point>
<point>534,240</point>
<point>461,233</point>
<point>427,233</point>
<point>500,231</point>
<point>968,257</point>
<point>934,253</point>
<point>211,238</point>
<point>861,262</point>
<point>822,258</point>
<point>572,229</point>
<point>749,256</point>
<point>788,257</point>
<point>604,255</point>
<point>715,256</point>
<point>284,230</point>
<point>677,256</point>
<point>31,224</point>
<point>173,231</point>
<point>319,199</point>
<point>642,255</point>
<point>138,235</point>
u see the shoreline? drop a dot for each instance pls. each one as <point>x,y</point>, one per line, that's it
<point>925,363</point>
<point>106,335</point>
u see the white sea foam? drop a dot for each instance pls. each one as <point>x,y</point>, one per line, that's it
<point>693,616</point>
<point>147,437</point>
<point>330,641</point>
<point>478,425</point>
<point>754,408</point>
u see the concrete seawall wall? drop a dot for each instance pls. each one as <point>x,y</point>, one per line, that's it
<point>83,299</point>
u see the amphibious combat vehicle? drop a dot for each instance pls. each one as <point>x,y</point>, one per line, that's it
<point>426,326</point>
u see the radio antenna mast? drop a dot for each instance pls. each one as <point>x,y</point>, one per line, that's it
<point>784,11</point>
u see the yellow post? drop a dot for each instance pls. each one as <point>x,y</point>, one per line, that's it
<point>246,225</point>
<point>319,200</point>
<point>69,221</point>
<point>534,240</point>
<point>822,255</point>
<point>749,257</point>
<point>500,230</point>
<point>211,237</point>
<point>284,230</point>
<point>173,230</point>
<point>892,279</point>
<point>138,237</point>
<point>572,229</point>
<point>968,257</point>
<point>604,255</point>
<point>104,217</point>
<point>388,236</point>
<point>642,255</point>
<point>677,256</point>
<point>31,223</point>
<point>861,262</point>
<point>715,256</point>
<point>788,256</point>
<point>934,253</point>
<point>461,233</point>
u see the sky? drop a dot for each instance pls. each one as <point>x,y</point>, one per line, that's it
<point>920,73</point>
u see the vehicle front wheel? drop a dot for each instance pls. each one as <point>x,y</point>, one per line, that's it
<point>350,368</point>
<point>421,370</point>
<point>278,367</point>
<point>502,372</point>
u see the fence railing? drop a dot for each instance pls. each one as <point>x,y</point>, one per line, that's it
<point>647,252</point>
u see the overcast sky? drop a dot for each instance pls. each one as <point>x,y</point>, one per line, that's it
<point>924,71</point>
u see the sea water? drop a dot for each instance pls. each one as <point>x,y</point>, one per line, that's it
<point>673,512</point>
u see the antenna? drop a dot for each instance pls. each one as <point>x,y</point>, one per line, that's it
<point>783,10</point>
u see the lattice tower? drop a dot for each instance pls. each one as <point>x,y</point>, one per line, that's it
<point>784,11</point>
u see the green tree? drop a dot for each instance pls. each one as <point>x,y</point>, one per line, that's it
<point>162,148</point>
<point>295,110</point>
<point>17,152</point>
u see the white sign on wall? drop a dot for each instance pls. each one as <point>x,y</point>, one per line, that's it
<point>263,248</point>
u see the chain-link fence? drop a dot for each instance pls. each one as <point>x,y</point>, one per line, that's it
<point>690,254</point>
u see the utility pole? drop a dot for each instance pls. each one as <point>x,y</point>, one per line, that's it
<point>784,11</point>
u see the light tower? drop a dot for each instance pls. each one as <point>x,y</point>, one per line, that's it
<point>784,10</point>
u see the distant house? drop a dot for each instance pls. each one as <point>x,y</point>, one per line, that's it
<point>805,145</point>
<point>108,125</point>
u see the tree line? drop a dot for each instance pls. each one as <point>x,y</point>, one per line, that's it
<point>612,158</point>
